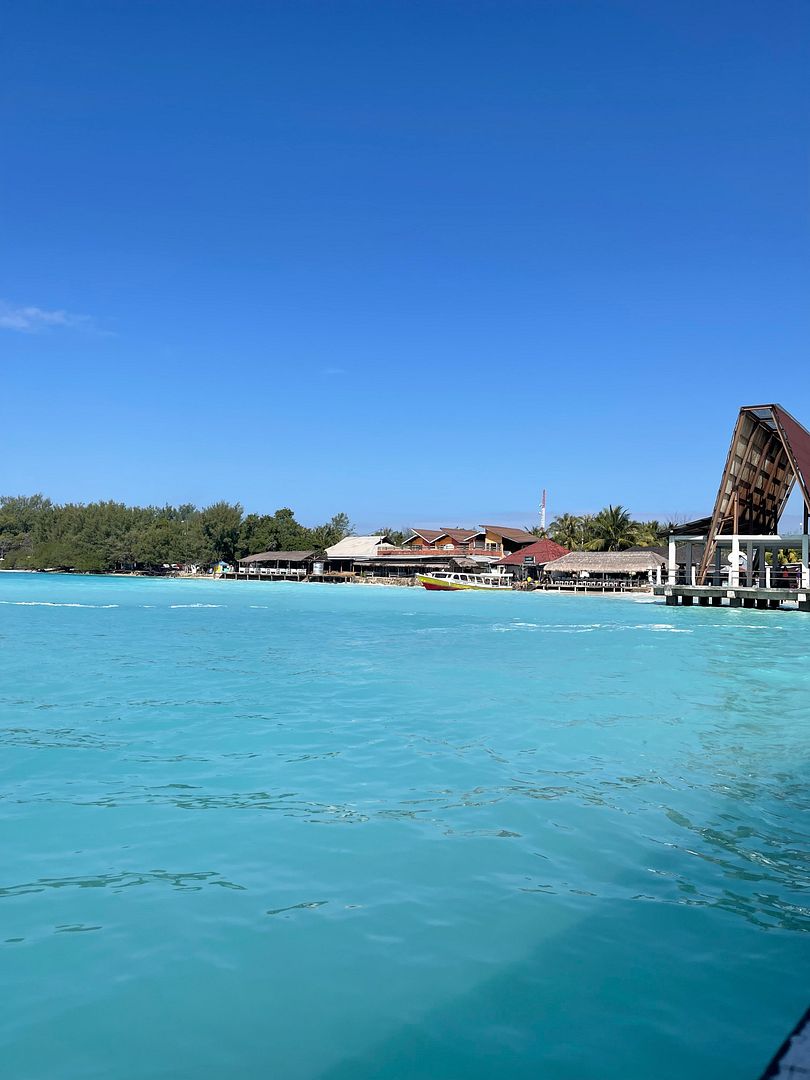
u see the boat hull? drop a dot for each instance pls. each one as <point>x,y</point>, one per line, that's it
<point>433,584</point>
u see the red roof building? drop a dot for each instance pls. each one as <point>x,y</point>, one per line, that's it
<point>535,556</point>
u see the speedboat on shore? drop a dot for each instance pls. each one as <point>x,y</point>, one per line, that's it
<point>456,582</point>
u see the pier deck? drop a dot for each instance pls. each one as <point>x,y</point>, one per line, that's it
<point>739,596</point>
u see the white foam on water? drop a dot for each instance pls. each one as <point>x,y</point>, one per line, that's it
<point>51,603</point>
<point>194,605</point>
<point>590,628</point>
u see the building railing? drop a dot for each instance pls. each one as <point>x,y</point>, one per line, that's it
<point>447,552</point>
<point>782,577</point>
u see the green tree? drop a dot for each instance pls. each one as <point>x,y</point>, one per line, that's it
<point>650,533</point>
<point>221,524</point>
<point>334,530</point>
<point>18,519</point>
<point>274,532</point>
<point>396,536</point>
<point>160,541</point>
<point>568,530</point>
<point>612,530</point>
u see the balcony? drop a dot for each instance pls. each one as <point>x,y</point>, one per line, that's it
<point>456,550</point>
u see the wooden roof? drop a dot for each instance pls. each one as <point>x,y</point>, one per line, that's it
<point>517,536</point>
<point>761,468</point>
<point>425,534</point>
<point>769,454</point>
<point>460,536</point>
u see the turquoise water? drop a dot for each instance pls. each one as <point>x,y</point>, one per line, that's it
<point>290,831</point>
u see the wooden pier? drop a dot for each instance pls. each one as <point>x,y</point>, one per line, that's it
<point>739,596</point>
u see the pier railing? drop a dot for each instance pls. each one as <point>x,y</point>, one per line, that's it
<point>271,571</point>
<point>782,577</point>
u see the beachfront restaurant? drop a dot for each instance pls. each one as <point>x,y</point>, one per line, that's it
<point>737,556</point>
<point>604,571</point>
<point>530,561</point>
<point>277,565</point>
<point>352,555</point>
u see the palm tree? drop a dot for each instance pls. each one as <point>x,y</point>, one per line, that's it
<point>650,533</point>
<point>566,529</point>
<point>612,529</point>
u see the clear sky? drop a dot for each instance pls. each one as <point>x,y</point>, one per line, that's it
<point>411,260</point>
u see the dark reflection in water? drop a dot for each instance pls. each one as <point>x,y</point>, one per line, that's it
<point>125,880</point>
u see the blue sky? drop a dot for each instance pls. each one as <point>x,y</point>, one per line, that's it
<point>411,260</point>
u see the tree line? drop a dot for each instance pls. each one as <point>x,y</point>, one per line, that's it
<point>612,529</point>
<point>38,534</point>
<point>98,537</point>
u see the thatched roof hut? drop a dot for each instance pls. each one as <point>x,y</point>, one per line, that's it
<point>624,563</point>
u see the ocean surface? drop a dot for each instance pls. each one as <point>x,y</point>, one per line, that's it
<point>289,831</point>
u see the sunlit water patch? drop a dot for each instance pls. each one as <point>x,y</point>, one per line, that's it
<point>275,830</point>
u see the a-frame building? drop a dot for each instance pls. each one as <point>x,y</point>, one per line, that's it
<point>768,457</point>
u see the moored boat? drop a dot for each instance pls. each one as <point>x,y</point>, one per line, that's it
<point>458,582</point>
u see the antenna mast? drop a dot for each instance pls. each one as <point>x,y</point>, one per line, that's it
<point>543,510</point>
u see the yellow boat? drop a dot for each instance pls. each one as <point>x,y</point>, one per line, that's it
<point>456,582</point>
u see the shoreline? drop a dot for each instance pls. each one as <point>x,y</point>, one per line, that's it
<point>646,594</point>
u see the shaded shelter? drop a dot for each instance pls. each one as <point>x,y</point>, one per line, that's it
<point>768,456</point>
<point>624,564</point>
